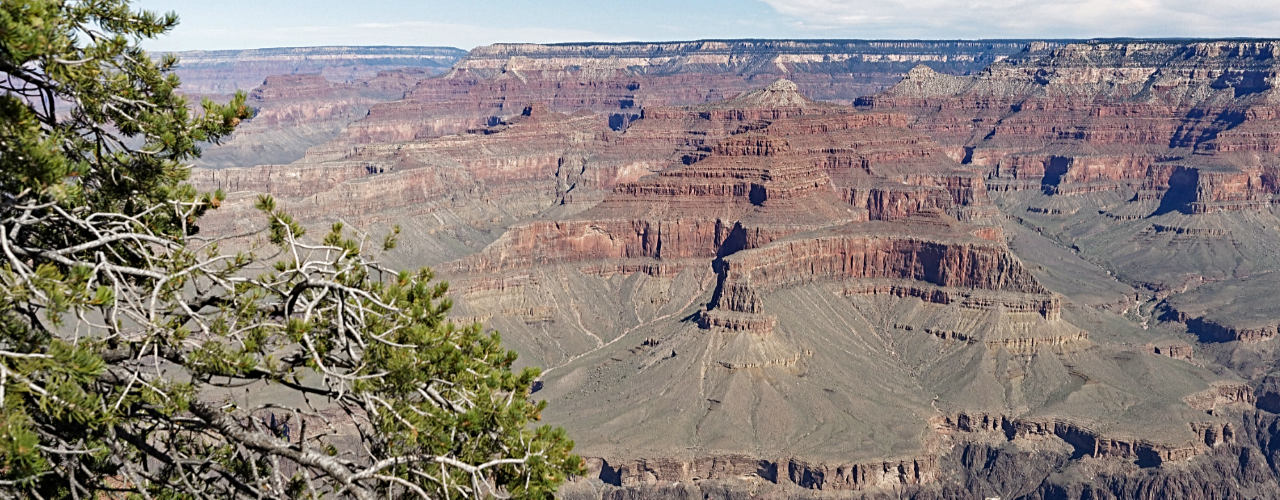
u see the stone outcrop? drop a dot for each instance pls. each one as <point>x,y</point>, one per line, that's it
<point>1175,350</point>
<point>1211,330</point>
<point>527,165</point>
<point>1267,393</point>
<point>1222,394</point>
<point>1226,310</point>
<point>874,254</point>
<point>915,474</point>
<point>795,166</point>
<point>1166,145</point>
<point>792,165</point>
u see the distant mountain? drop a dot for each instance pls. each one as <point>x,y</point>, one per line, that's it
<point>225,71</point>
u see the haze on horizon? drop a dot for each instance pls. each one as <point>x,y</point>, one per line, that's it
<point>241,24</point>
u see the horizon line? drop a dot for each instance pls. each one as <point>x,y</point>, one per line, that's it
<point>818,40</point>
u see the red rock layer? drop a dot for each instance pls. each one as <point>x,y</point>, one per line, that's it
<point>1105,116</point>
<point>781,192</point>
<point>497,81</point>
<point>792,165</point>
<point>973,264</point>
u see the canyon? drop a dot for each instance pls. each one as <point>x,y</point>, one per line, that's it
<point>303,96</point>
<point>927,269</point>
<point>222,72</point>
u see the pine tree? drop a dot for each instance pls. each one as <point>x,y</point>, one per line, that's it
<point>119,321</point>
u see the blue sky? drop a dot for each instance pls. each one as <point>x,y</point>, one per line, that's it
<point>232,24</point>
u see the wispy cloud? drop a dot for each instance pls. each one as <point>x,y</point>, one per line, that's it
<point>1033,18</point>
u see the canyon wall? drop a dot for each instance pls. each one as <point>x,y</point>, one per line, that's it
<point>1169,145</point>
<point>618,80</point>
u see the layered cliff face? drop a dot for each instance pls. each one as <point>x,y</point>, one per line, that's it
<point>747,57</point>
<point>809,296</point>
<point>497,81</point>
<point>449,194</point>
<point>1089,116</point>
<point>764,165</point>
<point>295,112</point>
<point>1012,464</point>
<point>1155,159</point>
<point>303,96</point>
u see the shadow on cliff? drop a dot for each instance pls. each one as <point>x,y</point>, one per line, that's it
<point>1181,192</point>
<point>1225,120</point>
<point>734,242</point>
<point>1053,172</point>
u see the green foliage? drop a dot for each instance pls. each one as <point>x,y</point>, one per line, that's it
<point>118,322</point>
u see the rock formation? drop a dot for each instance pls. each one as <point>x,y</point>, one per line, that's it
<point>301,96</point>
<point>455,182</point>
<point>1164,145</point>
<point>497,81</point>
<point>298,111</point>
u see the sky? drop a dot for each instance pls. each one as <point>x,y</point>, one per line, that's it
<point>240,24</point>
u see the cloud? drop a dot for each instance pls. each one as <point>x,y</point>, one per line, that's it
<point>1032,18</point>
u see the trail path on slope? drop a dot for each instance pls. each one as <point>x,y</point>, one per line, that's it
<point>577,316</point>
<point>702,289</point>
